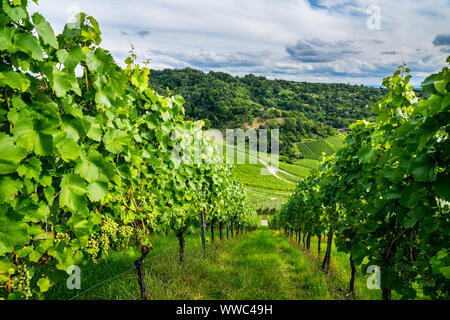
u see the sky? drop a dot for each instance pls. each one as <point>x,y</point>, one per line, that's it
<point>357,42</point>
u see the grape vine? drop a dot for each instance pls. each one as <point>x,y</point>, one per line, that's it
<point>86,162</point>
<point>385,195</point>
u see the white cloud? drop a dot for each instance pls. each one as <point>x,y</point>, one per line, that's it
<point>251,36</point>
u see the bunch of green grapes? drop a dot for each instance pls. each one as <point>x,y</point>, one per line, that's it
<point>151,220</point>
<point>125,233</point>
<point>104,245</point>
<point>62,237</point>
<point>109,228</point>
<point>21,281</point>
<point>141,201</point>
<point>93,248</point>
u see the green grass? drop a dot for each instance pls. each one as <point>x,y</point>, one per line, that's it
<point>260,265</point>
<point>340,268</point>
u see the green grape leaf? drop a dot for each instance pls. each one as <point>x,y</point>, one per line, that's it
<point>45,180</point>
<point>80,223</point>
<point>428,84</point>
<point>74,57</point>
<point>71,107</point>
<point>73,129</point>
<point>61,82</point>
<point>105,97</point>
<point>87,168</point>
<point>45,31</point>
<point>14,80</point>
<point>31,170</point>
<point>43,284</point>
<point>445,271</point>
<point>10,154</point>
<point>440,86</point>
<point>442,186</point>
<point>97,191</point>
<point>28,137</point>
<point>73,192</point>
<point>63,256</point>
<point>67,148</point>
<point>62,55</point>
<point>6,40</point>
<point>29,44</point>
<point>445,103</point>
<point>30,210</point>
<point>15,13</point>
<point>12,232</point>
<point>366,154</point>
<point>99,60</point>
<point>103,165</point>
<point>423,169</point>
<point>95,132</point>
<point>115,140</point>
<point>9,188</point>
<point>5,266</point>
<point>3,20</point>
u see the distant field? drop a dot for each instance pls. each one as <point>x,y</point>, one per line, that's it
<point>250,175</point>
<point>267,191</point>
<point>337,142</point>
<point>307,163</point>
<point>290,178</point>
<point>295,169</point>
<point>313,149</point>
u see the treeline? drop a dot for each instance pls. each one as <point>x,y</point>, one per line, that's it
<point>226,100</point>
<point>299,109</point>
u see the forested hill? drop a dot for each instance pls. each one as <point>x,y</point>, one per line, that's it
<point>301,110</point>
<point>232,101</point>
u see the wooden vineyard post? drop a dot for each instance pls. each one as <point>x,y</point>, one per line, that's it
<point>181,242</point>
<point>319,239</point>
<point>221,231</point>
<point>202,214</point>
<point>352,279</point>
<point>326,259</point>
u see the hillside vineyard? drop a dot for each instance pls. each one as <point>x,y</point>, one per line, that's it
<point>104,168</point>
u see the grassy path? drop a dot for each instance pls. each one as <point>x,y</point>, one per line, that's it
<point>259,265</point>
